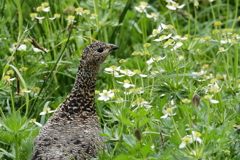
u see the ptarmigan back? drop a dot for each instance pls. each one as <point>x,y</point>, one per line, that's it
<point>72,131</point>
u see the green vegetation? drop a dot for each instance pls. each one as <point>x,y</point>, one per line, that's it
<point>171,91</point>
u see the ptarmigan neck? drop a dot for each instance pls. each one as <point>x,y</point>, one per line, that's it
<point>80,102</point>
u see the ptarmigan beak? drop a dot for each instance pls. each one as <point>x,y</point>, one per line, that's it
<point>114,48</point>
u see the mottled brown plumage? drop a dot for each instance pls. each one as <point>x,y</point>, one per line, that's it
<point>72,131</point>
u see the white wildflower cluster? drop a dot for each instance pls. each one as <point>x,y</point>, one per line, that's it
<point>106,95</point>
<point>117,72</point>
<point>188,139</point>
<point>142,8</point>
<point>169,39</point>
<point>140,102</point>
<point>152,60</point>
<point>46,111</point>
<point>35,122</point>
<point>172,5</point>
<point>168,109</point>
<point>23,47</point>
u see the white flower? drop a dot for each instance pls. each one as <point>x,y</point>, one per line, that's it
<point>177,45</point>
<point>209,97</point>
<point>39,50</point>
<point>21,47</point>
<point>141,102</point>
<point>168,112</point>
<point>151,60</point>
<point>222,49</point>
<point>106,95</point>
<point>34,121</point>
<point>39,18</point>
<point>47,9</point>
<point>47,110</point>
<point>113,70</point>
<point>214,88</point>
<point>196,3</point>
<point>196,136</point>
<point>180,57</point>
<point>71,19</point>
<point>163,37</point>
<point>93,16</point>
<point>179,37</point>
<point>227,41</point>
<point>136,91</point>
<point>127,72</point>
<point>55,16</point>
<point>170,1</point>
<point>126,84</point>
<point>186,140</point>
<point>139,73</point>
<point>190,139</point>
<point>79,11</point>
<point>142,7</point>
<point>174,6</point>
<point>169,42</point>
<point>152,15</point>
<point>157,31</point>
<point>167,26</point>
<point>202,72</point>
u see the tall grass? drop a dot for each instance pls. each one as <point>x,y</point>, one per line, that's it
<point>177,96</point>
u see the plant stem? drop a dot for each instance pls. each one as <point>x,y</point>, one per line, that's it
<point>16,146</point>
<point>236,13</point>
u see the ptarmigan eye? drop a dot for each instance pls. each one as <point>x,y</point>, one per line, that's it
<point>100,50</point>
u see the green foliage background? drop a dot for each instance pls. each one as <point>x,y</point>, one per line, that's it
<point>132,130</point>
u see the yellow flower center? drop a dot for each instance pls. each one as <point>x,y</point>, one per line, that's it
<point>207,38</point>
<point>32,120</point>
<point>122,60</point>
<point>208,96</point>
<point>23,69</point>
<point>213,80</point>
<point>79,9</point>
<point>218,23</point>
<point>57,15</point>
<point>168,111</point>
<point>146,45</point>
<point>45,4</point>
<point>46,109</point>
<point>186,100</point>
<point>33,15</point>
<point>86,11</point>
<point>135,53</point>
<point>137,71</point>
<point>113,67</point>
<point>138,101</point>
<point>126,81</point>
<point>215,31</point>
<point>187,139</point>
<point>5,78</point>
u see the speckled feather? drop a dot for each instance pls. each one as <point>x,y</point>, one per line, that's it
<point>72,131</point>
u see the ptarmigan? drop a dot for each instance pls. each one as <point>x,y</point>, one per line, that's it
<point>72,131</point>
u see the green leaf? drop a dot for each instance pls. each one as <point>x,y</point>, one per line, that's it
<point>146,150</point>
<point>122,157</point>
<point>129,139</point>
<point>4,152</point>
<point>126,121</point>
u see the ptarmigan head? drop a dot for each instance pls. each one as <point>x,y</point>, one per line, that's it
<point>97,52</point>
